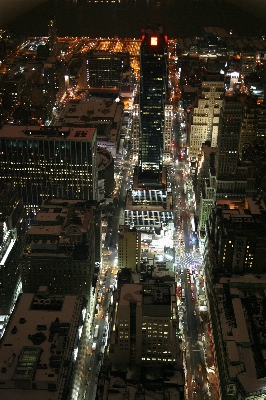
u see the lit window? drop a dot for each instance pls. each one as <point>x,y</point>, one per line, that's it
<point>154,41</point>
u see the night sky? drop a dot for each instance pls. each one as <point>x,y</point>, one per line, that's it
<point>182,18</point>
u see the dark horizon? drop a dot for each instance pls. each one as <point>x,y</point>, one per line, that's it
<point>185,18</point>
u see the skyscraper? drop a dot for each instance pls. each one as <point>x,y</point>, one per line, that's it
<point>228,139</point>
<point>52,37</point>
<point>153,92</point>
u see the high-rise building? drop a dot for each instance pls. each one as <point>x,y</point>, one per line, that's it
<point>235,238</point>
<point>256,152</point>
<point>129,248</point>
<point>13,228</point>
<point>52,37</point>
<point>152,100</point>
<point>50,163</point>
<point>253,125</point>
<point>234,178</point>
<point>205,117</point>
<point>145,324</point>
<point>228,139</point>
<point>248,60</point>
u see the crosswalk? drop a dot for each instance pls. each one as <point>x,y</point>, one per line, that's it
<point>188,260</point>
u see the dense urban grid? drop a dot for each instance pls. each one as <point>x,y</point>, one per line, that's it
<point>133,229</point>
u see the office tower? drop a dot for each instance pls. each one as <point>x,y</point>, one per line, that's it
<point>17,83</point>
<point>50,163</point>
<point>253,124</point>
<point>228,139</point>
<point>236,237</point>
<point>198,132</point>
<point>248,126</point>
<point>145,325</point>
<point>234,177</point>
<point>12,232</point>
<point>104,69</point>
<point>52,37</point>
<point>153,93</point>
<point>255,152</point>
<point>62,247</point>
<point>248,60</point>
<point>129,248</point>
<point>56,79</point>
<point>41,346</point>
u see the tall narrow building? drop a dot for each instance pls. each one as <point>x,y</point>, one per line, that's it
<point>52,37</point>
<point>153,93</point>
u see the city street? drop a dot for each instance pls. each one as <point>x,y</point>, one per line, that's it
<point>198,360</point>
<point>197,346</point>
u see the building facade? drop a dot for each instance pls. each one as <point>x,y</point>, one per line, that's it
<point>228,139</point>
<point>12,233</point>
<point>104,68</point>
<point>135,131</point>
<point>49,162</point>
<point>168,134</point>
<point>129,248</point>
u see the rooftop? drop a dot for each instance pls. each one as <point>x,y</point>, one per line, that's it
<point>241,302</point>
<point>130,292</point>
<point>58,227</point>
<point>145,219</point>
<point>37,346</point>
<point>103,114</point>
<point>47,133</point>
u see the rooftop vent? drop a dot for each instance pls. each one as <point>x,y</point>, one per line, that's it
<point>14,330</point>
<point>41,327</point>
